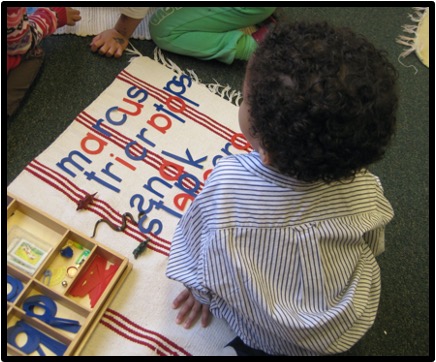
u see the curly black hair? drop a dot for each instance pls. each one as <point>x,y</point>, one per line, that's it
<point>322,101</point>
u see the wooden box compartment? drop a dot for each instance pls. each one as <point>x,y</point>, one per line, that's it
<point>59,283</point>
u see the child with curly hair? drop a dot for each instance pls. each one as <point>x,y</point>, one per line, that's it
<point>282,242</point>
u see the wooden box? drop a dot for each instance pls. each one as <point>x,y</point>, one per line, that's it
<point>50,259</point>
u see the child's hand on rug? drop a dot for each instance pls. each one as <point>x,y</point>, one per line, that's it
<point>73,16</point>
<point>190,310</point>
<point>113,42</point>
<point>109,43</point>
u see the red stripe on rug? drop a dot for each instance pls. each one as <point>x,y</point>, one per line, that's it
<point>98,207</point>
<point>189,112</point>
<point>166,345</point>
<point>152,159</point>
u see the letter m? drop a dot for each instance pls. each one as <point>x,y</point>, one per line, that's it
<point>69,159</point>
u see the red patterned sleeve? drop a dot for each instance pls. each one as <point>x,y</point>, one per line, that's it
<point>26,31</point>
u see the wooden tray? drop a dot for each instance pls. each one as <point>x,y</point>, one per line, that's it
<point>39,256</point>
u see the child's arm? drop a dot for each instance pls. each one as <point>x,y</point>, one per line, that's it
<point>191,310</point>
<point>25,32</point>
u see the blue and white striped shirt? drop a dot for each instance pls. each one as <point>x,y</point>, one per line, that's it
<point>289,265</point>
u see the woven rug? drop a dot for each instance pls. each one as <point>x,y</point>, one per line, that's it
<point>97,19</point>
<point>417,38</point>
<point>147,143</point>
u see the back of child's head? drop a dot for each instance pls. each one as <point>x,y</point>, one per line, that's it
<point>322,101</point>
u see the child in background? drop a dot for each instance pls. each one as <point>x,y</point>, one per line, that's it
<point>24,55</point>
<point>282,242</point>
<point>203,33</point>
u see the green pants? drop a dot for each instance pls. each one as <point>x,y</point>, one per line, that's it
<point>207,33</point>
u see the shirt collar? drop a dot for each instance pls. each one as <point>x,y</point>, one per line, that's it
<point>252,163</point>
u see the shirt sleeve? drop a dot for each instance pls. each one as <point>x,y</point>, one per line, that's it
<point>135,13</point>
<point>25,32</point>
<point>186,259</point>
<point>375,238</point>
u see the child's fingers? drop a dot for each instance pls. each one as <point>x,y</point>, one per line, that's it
<point>190,310</point>
<point>118,53</point>
<point>192,315</point>
<point>96,43</point>
<point>76,15</point>
<point>109,43</point>
<point>184,311</point>
<point>180,299</point>
<point>205,316</point>
<point>73,16</point>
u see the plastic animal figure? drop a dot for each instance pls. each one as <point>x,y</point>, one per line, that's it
<point>115,227</point>
<point>140,248</point>
<point>84,202</point>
